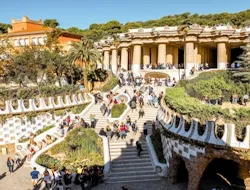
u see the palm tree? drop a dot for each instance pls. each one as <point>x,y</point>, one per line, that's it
<point>87,54</point>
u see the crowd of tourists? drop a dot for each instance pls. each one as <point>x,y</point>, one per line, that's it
<point>160,66</point>
<point>84,176</point>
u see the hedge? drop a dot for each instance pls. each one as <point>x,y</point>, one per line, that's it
<point>80,147</point>
<point>117,110</point>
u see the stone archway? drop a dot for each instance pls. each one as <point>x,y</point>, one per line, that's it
<point>221,173</point>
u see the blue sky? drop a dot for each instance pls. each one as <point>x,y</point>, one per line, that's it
<point>82,13</point>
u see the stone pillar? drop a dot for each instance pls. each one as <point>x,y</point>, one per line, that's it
<point>161,53</point>
<point>176,56</point>
<point>189,56</point>
<point>146,56</point>
<point>202,54</point>
<point>136,59</point>
<point>199,55</point>
<point>114,61</point>
<point>154,56</point>
<point>124,58</point>
<point>169,54</point>
<point>196,56</point>
<point>106,59</point>
<point>221,55</point>
<point>205,54</point>
<point>229,55</point>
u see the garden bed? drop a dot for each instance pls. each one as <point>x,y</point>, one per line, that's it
<point>40,131</point>
<point>118,109</point>
<point>80,147</point>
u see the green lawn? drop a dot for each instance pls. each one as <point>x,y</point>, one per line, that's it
<point>117,110</point>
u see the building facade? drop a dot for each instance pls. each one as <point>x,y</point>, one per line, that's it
<point>27,32</point>
<point>182,48</point>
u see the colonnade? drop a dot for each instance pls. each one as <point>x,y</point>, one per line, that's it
<point>136,56</point>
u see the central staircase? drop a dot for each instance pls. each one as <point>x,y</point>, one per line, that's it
<point>126,166</point>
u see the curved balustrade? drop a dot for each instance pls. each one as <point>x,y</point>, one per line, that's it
<point>67,101</point>
<point>168,120</point>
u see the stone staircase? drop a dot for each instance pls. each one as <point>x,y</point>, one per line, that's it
<point>126,166</point>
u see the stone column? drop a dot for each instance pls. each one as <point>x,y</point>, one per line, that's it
<point>176,56</point>
<point>124,58</point>
<point>161,53</point>
<point>154,56</point>
<point>169,54</point>
<point>196,56</point>
<point>136,59</point>
<point>199,55</point>
<point>114,61</point>
<point>229,55</point>
<point>106,59</point>
<point>189,56</point>
<point>202,54</point>
<point>146,55</point>
<point>221,55</point>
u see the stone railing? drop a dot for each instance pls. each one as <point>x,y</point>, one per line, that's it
<point>44,104</point>
<point>16,127</point>
<point>107,160</point>
<point>194,131</point>
<point>160,168</point>
<point>21,146</point>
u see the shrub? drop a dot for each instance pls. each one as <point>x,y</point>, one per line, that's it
<point>78,109</point>
<point>110,83</point>
<point>81,146</point>
<point>118,109</point>
<point>156,141</point>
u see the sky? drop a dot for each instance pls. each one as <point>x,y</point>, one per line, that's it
<point>82,13</point>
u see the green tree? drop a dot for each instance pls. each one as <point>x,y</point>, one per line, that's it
<point>53,23</point>
<point>4,28</point>
<point>243,73</point>
<point>52,40</point>
<point>87,54</point>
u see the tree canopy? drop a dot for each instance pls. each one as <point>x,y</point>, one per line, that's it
<point>53,23</point>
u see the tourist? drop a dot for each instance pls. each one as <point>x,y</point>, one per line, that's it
<point>234,99</point>
<point>67,120</point>
<point>34,177</point>
<point>35,147</point>
<point>123,131</point>
<point>57,176</point>
<point>245,99</point>
<point>102,132</point>
<point>32,138</point>
<point>149,99</point>
<point>133,105</point>
<point>17,159</point>
<point>10,164</point>
<point>92,121</point>
<point>84,124</point>
<point>139,148</point>
<point>108,110</point>
<point>30,151</point>
<point>67,178</point>
<point>44,143</point>
<point>116,132</point>
<point>141,112</point>
<point>84,179</point>
<point>141,101</point>
<point>47,179</point>
<point>109,132</point>
<point>134,127</point>
<point>128,120</point>
<point>48,139</point>
<point>103,108</point>
<point>160,98</point>
<point>206,66</point>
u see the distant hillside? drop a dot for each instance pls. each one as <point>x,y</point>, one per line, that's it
<point>99,31</point>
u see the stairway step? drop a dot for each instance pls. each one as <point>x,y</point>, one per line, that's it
<point>133,181</point>
<point>129,156</point>
<point>133,168</point>
<point>125,151</point>
<point>127,161</point>
<point>134,177</point>
<point>132,173</point>
<point>139,164</point>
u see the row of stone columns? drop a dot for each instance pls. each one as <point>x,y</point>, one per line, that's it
<point>193,55</point>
